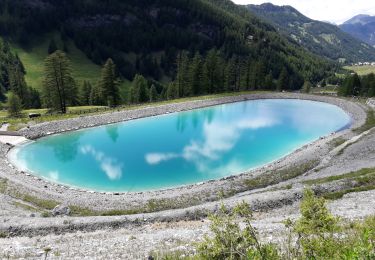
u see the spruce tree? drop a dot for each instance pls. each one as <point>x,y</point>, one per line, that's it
<point>59,88</point>
<point>268,82</point>
<point>153,93</point>
<point>85,93</point>
<point>96,97</point>
<point>139,90</point>
<point>283,82</point>
<point>213,72</point>
<point>231,74</point>
<point>109,84</point>
<point>182,78</point>
<point>172,91</point>
<point>196,74</point>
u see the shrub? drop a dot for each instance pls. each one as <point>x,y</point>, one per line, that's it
<point>229,241</point>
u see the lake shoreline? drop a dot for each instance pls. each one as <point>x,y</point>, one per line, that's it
<point>188,198</point>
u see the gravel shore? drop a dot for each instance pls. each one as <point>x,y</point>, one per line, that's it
<point>135,236</point>
<point>192,194</point>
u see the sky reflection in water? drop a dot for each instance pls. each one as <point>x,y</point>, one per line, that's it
<point>179,149</point>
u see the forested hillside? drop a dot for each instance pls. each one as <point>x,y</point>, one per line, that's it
<point>145,37</point>
<point>12,74</point>
<point>321,38</point>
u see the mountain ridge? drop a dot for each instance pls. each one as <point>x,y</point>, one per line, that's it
<point>362,27</point>
<point>321,38</point>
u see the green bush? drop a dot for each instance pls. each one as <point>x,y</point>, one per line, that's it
<point>230,241</point>
<point>317,234</point>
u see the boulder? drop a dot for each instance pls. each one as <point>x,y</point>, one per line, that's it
<point>61,210</point>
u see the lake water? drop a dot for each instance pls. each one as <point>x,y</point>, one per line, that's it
<point>182,148</point>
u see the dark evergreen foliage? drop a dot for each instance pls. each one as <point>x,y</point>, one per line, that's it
<point>145,37</point>
<point>354,85</point>
<point>12,78</point>
<point>59,88</point>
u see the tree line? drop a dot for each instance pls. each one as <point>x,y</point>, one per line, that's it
<point>195,75</point>
<point>355,85</point>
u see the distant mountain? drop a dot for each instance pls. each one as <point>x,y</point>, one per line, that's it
<point>362,27</point>
<point>321,38</point>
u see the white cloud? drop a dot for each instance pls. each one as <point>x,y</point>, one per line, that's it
<point>110,166</point>
<point>337,11</point>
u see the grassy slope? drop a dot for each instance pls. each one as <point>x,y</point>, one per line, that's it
<point>361,70</point>
<point>33,59</point>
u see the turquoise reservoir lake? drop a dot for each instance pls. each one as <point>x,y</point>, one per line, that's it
<point>181,148</point>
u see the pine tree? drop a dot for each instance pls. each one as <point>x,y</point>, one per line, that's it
<point>231,74</point>
<point>213,72</point>
<point>283,82</point>
<point>85,93</point>
<point>182,78</point>
<point>260,74</point>
<point>172,91</point>
<point>196,74</point>
<point>96,97</point>
<point>153,93</point>
<point>139,90</point>
<point>59,88</point>
<point>52,47</point>
<point>268,82</point>
<point>109,84</point>
<point>14,105</point>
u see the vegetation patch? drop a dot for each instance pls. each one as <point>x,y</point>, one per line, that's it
<point>3,185</point>
<point>25,206</point>
<point>337,142</point>
<point>3,234</point>
<point>274,177</point>
<point>362,180</point>
<point>41,203</point>
<point>317,234</point>
<point>350,175</point>
<point>370,122</point>
<point>339,194</point>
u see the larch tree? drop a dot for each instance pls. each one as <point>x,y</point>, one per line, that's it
<point>59,87</point>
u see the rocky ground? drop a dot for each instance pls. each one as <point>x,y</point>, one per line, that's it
<point>27,234</point>
<point>138,242</point>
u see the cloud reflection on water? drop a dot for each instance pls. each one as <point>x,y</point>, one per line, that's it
<point>219,137</point>
<point>111,167</point>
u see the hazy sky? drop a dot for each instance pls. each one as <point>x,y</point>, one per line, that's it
<point>337,11</point>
